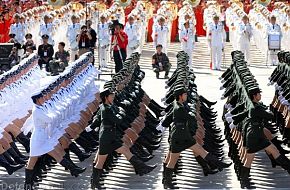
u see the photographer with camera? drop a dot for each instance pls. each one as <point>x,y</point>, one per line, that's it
<point>119,45</point>
<point>84,40</point>
<point>13,57</point>
<point>29,42</point>
<point>93,34</point>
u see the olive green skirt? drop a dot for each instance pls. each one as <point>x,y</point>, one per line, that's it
<point>109,141</point>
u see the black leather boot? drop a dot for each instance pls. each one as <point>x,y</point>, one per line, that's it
<point>28,185</point>
<point>9,168</point>
<point>81,155</point>
<point>15,156</point>
<point>140,167</point>
<point>168,179</point>
<point>214,160</point>
<point>163,172</point>
<point>206,169</point>
<point>95,178</point>
<point>284,162</point>
<point>24,140</point>
<point>74,170</point>
<point>273,161</point>
<point>9,159</point>
<point>245,180</point>
<point>13,145</point>
<point>278,144</point>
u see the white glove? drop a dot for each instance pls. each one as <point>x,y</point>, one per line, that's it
<point>160,128</point>
<point>228,114</point>
<point>232,125</point>
<point>229,119</point>
<point>88,129</point>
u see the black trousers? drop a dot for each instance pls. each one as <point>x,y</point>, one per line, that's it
<point>42,61</point>
<point>119,60</point>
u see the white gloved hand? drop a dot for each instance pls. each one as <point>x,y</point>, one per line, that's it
<point>160,128</point>
<point>228,114</point>
<point>232,125</point>
<point>229,119</point>
<point>88,129</point>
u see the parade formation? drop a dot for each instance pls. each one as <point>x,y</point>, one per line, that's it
<point>72,77</point>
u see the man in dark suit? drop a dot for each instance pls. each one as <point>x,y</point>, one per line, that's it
<point>45,53</point>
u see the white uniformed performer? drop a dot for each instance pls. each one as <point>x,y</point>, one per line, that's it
<point>134,36</point>
<point>273,29</point>
<point>18,29</point>
<point>216,37</point>
<point>48,29</point>
<point>187,39</point>
<point>104,41</point>
<point>245,33</point>
<point>72,31</point>
<point>160,34</point>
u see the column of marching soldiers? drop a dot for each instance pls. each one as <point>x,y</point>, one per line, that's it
<point>56,117</point>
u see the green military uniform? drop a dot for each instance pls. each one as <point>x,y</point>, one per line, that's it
<point>181,135</point>
<point>255,138</point>
<point>108,138</point>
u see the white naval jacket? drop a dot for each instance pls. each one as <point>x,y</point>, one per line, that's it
<point>189,34</point>
<point>48,29</point>
<point>103,33</point>
<point>160,35</point>
<point>71,34</point>
<point>19,31</point>
<point>245,33</point>
<point>274,29</point>
<point>216,34</point>
<point>133,32</point>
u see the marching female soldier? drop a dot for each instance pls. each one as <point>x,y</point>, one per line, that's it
<point>181,138</point>
<point>256,139</point>
<point>109,141</point>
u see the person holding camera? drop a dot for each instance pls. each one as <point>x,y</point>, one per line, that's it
<point>160,62</point>
<point>93,34</point>
<point>84,40</point>
<point>29,42</point>
<point>13,57</point>
<point>119,45</point>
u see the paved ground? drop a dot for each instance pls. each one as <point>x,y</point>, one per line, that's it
<point>123,177</point>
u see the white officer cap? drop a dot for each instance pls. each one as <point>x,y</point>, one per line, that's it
<point>103,15</point>
<point>163,2</point>
<point>185,3</point>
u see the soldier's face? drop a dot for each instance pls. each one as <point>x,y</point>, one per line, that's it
<point>16,20</point>
<point>257,97</point>
<point>183,97</point>
<point>103,19</point>
<point>273,20</point>
<point>131,20</point>
<point>216,20</point>
<point>245,20</point>
<point>45,40</point>
<point>110,98</point>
